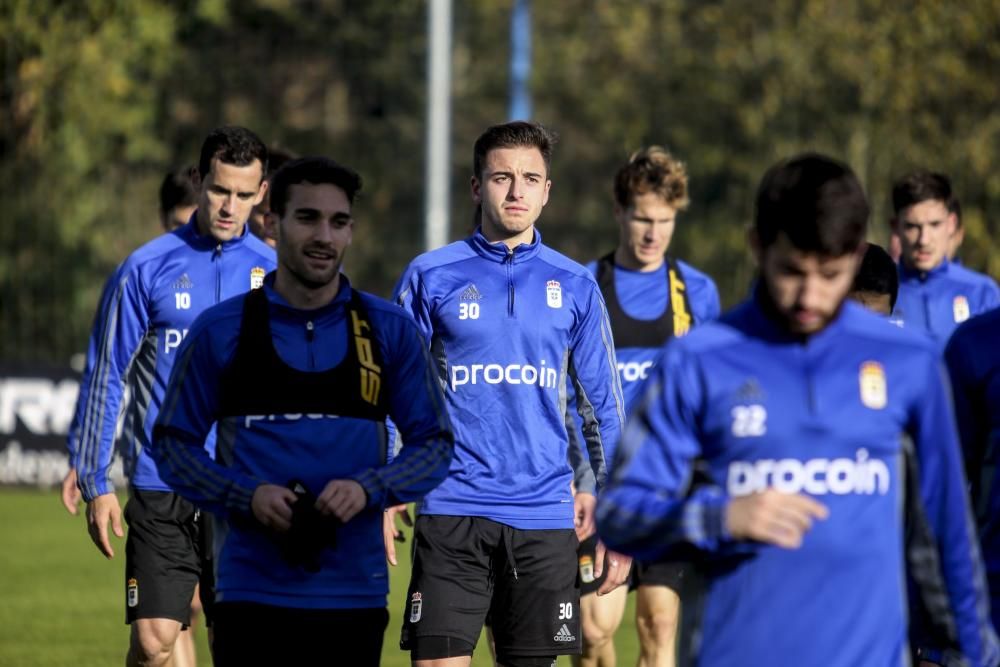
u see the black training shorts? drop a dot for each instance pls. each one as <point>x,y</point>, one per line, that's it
<point>467,567</point>
<point>669,573</point>
<point>167,552</point>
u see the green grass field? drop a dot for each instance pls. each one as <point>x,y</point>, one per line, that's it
<point>61,602</point>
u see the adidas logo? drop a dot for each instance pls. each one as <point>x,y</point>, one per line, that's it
<point>564,635</point>
<point>183,283</point>
<point>471,294</point>
<point>750,391</point>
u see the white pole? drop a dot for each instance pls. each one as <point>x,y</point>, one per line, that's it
<point>436,207</point>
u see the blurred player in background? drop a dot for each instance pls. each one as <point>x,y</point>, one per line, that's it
<point>935,294</point>
<point>178,198</point>
<point>151,300</point>
<point>650,297</point>
<point>259,223</point>
<point>789,412</point>
<point>876,286</point>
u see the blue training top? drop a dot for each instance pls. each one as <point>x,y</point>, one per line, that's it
<point>939,300</point>
<point>312,448</point>
<point>509,331</point>
<point>756,408</point>
<point>147,307</point>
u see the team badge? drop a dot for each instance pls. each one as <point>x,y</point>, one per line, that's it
<point>133,593</point>
<point>416,607</point>
<point>960,308</point>
<point>872,384</point>
<point>586,569</point>
<point>257,274</point>
<point>553,294</point>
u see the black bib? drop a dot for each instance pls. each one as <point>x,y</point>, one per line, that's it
<point>676,320</point>
<point>258,382</point>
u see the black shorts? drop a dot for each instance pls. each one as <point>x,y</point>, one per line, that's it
<point>467,567</point>
<point>256,634</point>
<point>669,573</point>
<point>167,552</point>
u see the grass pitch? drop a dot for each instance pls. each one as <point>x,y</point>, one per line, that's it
<point>61,602</point>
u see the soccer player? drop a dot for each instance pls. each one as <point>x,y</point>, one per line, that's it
<point>154,297</point>
<point>650,297</point>
<point>299,376</point>
<point>876,286</point>
<point>973,358</point>
<point>178,199</point>
<point>511,324</point>
<point>258,222</point>
<point>789,411</point>
<point>935,294</point>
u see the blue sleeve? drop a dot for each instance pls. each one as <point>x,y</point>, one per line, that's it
<point>650,504</point>
<point>970,410</point>
<point>73,435</point>
<point>190,409</point>
<point>119,329</point>
<point>418,413</point>
<point>594,374</point>
<point>944,494</point>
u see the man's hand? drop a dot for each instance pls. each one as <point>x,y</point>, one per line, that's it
<point>584,510</point>
<point>618,566</point>
<point>391,533</point>
<point>70,494</point>
<point>773,517</point>
<point>342,498</point>
<point>100,510</point>
<point>272,506</point>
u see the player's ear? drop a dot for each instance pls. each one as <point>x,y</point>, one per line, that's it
<point>753,240</point>
<point>477,193</point>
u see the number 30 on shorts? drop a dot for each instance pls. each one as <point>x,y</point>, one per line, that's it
<point>565,610</point>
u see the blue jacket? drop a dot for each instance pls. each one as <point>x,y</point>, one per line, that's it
<point>643,296</point>
<point>311,448</point>
<point>973,357</point>
<point>509,331</point>
<point>939,300</point>
<point>145,312</point>
<point>757,408</point>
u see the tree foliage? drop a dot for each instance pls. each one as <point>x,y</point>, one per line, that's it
<point>100,98</point>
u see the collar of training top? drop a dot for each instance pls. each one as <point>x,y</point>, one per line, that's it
<point>938,271</point>
<point>189,233</point>
<point>498,252</point>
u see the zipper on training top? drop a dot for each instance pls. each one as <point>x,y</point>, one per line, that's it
<point>310,333</point>
<point>217,260</point>
<point>509,260</point>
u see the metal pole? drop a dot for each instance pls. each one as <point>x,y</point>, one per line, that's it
<point>520,61</point>
<point>436,207</point>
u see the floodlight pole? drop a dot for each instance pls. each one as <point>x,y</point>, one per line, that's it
<point>436,206</point>
<point>520,61</point>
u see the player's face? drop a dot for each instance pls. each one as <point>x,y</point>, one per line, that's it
<point>228,194</point>
<point>314,233</point>
<point>178,216</point>
<point>925,234</point>
<point>513,190</point>
<point>806,289</point>
<point>646,229</point>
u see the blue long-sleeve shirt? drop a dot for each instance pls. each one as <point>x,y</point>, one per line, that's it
<point>310,448</point>
<point>148,306</point>
<point>509,331</point>
<point>754,408</point>
<point>973,357</point>
<point>937,301</point>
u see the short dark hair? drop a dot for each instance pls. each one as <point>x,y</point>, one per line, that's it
<point>276,159</point>
<point>816,202</point>
<point>513,135</point>
<point>233,145</point>
<point>177,189</point>
<point>652,169</point>
<point>877,274</point>
<point>922,185</point>
<point>313,170</point>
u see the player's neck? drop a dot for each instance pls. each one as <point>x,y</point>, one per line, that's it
<point>628,260</point>
<point>512,241</point>
<point>304,296</point>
